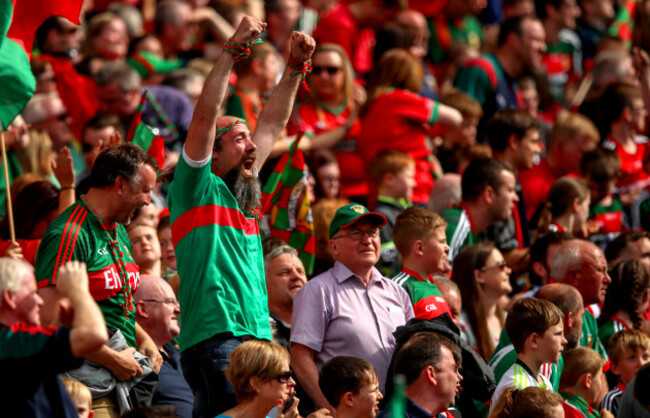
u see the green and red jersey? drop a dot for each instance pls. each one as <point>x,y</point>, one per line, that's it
<point>428,302</point>
<point>609,328</point>
<point>576,407</point>
<point>460,230</point>
<point>633,175</point>
<point>243,105</point>
<point>77,235</point>
<point>563,63</point>
<point>399,120</point>
<point>314,118</point>
<point>589,337</point>
<point>220,261</point>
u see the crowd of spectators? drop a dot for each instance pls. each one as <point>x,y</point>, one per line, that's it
<point>476,180</point>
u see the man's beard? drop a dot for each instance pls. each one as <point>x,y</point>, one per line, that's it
<point>247,190</point>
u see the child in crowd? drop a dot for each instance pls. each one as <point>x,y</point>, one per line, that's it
<point>458,138</point>
<point>628,351</point>
<point>567,205</point>
<point>600,168</point>
<point>351,386</point>
<point>626,300</point>
<point>81,397</point>
<point>167,248</point>
<point>528,403</point>
<point>393,172</point>
<point>536,329</point>
<point>583,384</point>
<point>420,238</point>
<point>146,249</point>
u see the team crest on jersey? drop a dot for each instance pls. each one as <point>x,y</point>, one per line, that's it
<point>358,209</point>
<point>126,251</point>
<point>102,251</point>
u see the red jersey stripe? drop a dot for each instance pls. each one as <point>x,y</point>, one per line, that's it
<point>74,222</point>
<point>61,247</point>
<point>212,214</point>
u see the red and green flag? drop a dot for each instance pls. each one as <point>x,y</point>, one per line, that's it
<point>623,25</point>
<point>19,20</point>
<point>286,206</point>
<point>142,135</point>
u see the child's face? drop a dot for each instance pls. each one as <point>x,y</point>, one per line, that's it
<point>404,182</point>
<point>83,407</point>
<point>599,191</point>
<point>468,130</point>
<point>597,390</point>
<point>366,402</point>
<point>629,364</point>
<point>552,343</point>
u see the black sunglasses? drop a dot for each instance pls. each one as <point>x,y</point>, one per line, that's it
<point>284,377</point>
<point>501,265</point>
<point>330,70</point>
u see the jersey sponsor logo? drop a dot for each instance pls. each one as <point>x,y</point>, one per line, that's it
<point>106,283</point>
<point>102,251</point>
<point>430,307</point>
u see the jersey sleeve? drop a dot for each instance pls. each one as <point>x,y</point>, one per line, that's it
<point>191,180</point>
<point>413,107</point>
<point>64,242</point>
<point>473,81</point>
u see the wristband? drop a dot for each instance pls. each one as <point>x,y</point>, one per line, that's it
<point>240,51</point>
<point>301,68</point>
<point>66,188</point>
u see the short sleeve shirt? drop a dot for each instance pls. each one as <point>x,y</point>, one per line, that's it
<point>519,377</point>
<point>428,302</point>
<point>77,235</point>
<point>219,253</point>
<point>336,314</point>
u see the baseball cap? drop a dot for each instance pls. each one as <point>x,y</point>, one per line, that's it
<point>147,63</point>
<point>351,213</point>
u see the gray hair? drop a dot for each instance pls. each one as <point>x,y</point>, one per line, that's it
<point>277,252</point>
<point>568,257</point>
<point>131,16</point>
<point>448,283</point>
<point>34,111</point>
<point>118,72</point>
<point>446,193</point>
<point>167,12</point>
<point>11,272</point>
<point>609,64</point>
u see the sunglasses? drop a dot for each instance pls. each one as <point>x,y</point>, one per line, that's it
<point>501,265</point>
<point>330,70</point>
<point>62,117</point>
<point>284,377</point>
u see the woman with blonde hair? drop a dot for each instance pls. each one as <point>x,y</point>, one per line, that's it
<point>397,118</point>
<point>330,117</point>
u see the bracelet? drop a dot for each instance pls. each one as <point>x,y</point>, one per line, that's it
<point>301,68</point>
<point>240,51</point>
<point>66,188</point>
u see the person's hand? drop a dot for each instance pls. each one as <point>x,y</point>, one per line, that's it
<point>641,61</point>
<point>17,135</point>
<point>124,366</point>
<point>360,96</point>
<point>302,46</point>
<point>14,251</point>
<point>604,413</point>
<point>149,349</point>
<point>322,413</point>
<point>249,28</point>
<point>72,277</point>
<point>113,140</point>
<point>292,412</point>
<point>63,168</point>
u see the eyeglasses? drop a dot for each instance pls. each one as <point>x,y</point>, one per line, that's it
<point>501,265</point>
<point>357,234</point>
<point>62,117</point>
<point>165,301</point>
<point>86,147</point>
<point>316,69</point>
<point>284,377</point>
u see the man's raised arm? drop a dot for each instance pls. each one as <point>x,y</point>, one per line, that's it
<point>200,137</point>
<point>277,110</point>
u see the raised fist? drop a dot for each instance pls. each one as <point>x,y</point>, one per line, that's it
<point>302,46</point>
<point>249,28</point>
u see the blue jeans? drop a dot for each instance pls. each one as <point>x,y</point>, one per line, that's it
<point>204,367</point>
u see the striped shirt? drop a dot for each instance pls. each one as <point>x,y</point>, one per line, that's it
<point>428,302</point>
<point>459,230</point>
<point>520,377</point>
<point>337,314</point>
<point>611,400</point>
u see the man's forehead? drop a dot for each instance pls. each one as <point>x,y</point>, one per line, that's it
<point>360,224</point>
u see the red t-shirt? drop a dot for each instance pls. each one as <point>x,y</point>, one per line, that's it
<point>535,184</point>
<point>314,120</point>
<point>398,120</point>
<point>339,27</point>
<point>632,172</point>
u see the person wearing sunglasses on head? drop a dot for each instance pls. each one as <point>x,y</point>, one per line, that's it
<point>483,277</point>
<point>157,312</point>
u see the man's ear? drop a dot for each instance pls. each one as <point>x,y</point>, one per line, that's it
<point>333,248</point>
<point>120,185</point>
<point>8,299</point>
<point>488,195</point>
<point>348,399</point>
<point>431,375</point>
<point>569,320</point>
<point>513,142</point>
<point>418,247</point>
<point>141,309</point>
<point>533,340</point>
<point>586,380</point>
<point>539,269</point>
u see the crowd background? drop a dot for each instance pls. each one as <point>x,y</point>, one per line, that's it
<point>501,147</point>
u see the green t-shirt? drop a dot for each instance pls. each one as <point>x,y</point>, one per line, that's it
<point>77,235</point>
<point>427,300</point>
<point>459,230</point>
<point>609,328</point>
<point>580,404</point>
<point>504,356</point>
<point>220,262</point>
<point>589,337</point>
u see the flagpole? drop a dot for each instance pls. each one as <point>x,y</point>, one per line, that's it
<point>10,212</point>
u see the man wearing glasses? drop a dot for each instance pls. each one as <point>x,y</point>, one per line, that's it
<point>351,309</point>
<point>157,313</point>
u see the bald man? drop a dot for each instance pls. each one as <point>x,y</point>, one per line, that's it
<point>568,299</point>
<point>157,313</point>
<point>213,203</point>
<point>581,264</point>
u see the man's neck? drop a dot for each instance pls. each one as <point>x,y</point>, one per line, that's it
<point>414,266</point>
<point>424,400</point>
<point>480,219</point>
<point>154,268</point>
<point>102,201</point>
<point>509,157</point>
<point>553,162</point>
<point>282,312</point>
<point>622,133</point>
<point>510,64</point>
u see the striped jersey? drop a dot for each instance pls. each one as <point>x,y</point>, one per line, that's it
<point>427,300</point>
<point>77,235</point>
<point>576,406</point>
<point>612,398</point>
<point>219,252</point>
<point>520,377</point>
<point>589,337</point>
<point>459,230</point>
<point>609,328</point>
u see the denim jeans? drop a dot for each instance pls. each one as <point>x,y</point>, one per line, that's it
<point>204,367</point>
